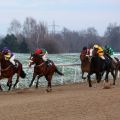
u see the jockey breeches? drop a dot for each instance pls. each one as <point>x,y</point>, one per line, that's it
<point>44,57</point>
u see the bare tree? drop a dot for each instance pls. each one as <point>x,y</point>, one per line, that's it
<point>112,36</point>
<point>42,33</point>
<point>15,27</point>
<point>29,31</point>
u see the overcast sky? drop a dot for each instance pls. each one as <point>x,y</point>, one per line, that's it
<point>73,14</point>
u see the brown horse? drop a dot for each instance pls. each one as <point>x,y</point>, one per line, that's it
<point>42,68</point>
<point>7,70</point>
<point>85,64</point>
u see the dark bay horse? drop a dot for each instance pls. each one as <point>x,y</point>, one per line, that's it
<point>7,70</point>
<point>117,65</point>
<point>85,66</point>
<point>43,69</point>
<point>99,66</point>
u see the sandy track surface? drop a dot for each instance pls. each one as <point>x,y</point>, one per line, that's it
<point>67,102</point>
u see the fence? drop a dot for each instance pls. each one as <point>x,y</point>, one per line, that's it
<point>72,66</point>
<point>72,73</point>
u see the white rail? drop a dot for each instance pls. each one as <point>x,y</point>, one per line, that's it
<point>70,75</point>
<point>63,70</point>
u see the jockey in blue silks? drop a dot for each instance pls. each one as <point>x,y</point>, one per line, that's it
<point>8,55</point>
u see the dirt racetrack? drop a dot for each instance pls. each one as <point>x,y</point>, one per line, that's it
<point>67,102</point>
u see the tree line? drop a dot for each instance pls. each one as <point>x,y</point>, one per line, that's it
<point>32,34</point>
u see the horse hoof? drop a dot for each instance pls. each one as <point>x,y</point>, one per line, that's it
<point>47,90</point>
<point>83,78</point>
<point>98,81</point>
<point>50,90</point>
<point>106,87</point>
<point>90,85</point>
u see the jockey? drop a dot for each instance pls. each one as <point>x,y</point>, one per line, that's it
<point>41,53</point>
<point>109,52</point>
<point>85,51</point>
<point>99,50</point>
<point>8,55</point>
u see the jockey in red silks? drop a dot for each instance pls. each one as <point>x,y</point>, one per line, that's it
<point>86,51</point>
<point>42,53</point>
<point>9,55</point>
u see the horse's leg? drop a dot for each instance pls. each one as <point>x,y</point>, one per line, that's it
<point>98,77</point>
<point>34,76</point>
<point>114,77</point>
<point>9,83</point>
<point>38,81</point>
<point>17,80</point>
<point>116,72</point>
<point>49,87</point>
<point>1,88</point>
<point>89,79</point>
<point>106,76</point>
<point>83,76</point>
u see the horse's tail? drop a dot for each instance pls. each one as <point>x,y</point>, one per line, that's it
<point>22,74</point>
<point>57,71</point>
<point>20,68</point>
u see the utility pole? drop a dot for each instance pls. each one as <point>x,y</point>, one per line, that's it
<point>54,28</point>
<point>37,39</point>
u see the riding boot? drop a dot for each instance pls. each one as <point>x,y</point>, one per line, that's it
<point>15,65</point>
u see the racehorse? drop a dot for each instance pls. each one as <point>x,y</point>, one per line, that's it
<point>7,70</point>
<point>99,66</point>
<point>42,68</point>
<point>85,64</point>
<point>117,65</point>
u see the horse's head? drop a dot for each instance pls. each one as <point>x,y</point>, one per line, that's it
<point>84,58</point>
<point>34,59</point>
